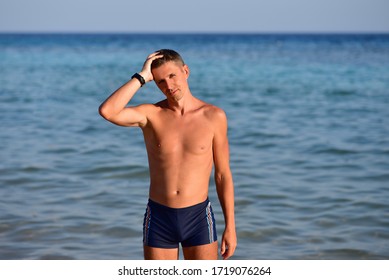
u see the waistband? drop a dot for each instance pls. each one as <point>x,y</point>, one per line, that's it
<point>157,205</point>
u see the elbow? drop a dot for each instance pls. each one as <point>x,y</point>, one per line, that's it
<point>103,112</point>
<point>223,178</point>
<point>218,178</point>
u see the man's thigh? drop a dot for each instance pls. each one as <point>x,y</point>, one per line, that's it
<point>201,252</point>
<point>152,253</point>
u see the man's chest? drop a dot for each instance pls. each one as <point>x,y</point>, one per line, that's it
<point>169,136</point>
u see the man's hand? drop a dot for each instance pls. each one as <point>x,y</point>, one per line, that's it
<point>228,244</point>
<point>114,108</point>
<point>146,70</point>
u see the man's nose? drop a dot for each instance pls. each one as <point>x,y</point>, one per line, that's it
<point>169,84</point>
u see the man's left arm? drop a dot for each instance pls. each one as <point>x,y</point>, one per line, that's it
<point>224,183</point>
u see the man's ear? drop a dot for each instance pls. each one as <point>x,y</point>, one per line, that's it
<point>186,70</point>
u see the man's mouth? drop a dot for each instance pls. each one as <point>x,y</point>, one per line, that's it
<point>173,92</point>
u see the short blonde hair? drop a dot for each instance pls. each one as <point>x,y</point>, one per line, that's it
<point>168,55</point>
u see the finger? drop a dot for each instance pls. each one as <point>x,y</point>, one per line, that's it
<point>222,248</point>
<point>229,251</point>
<point>155,55</point>
<point>150,59</point>
<point>227,254</point>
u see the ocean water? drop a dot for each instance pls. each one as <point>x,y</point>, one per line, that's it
<point>308,130</point>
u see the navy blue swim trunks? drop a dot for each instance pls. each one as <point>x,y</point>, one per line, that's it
<point>165,227</point>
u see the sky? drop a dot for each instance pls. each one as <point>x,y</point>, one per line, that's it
<point>170,16</point>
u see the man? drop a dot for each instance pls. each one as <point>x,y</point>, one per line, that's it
<point>184,137</point>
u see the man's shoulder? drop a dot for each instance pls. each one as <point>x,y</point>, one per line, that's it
<point>214,113</point>
<point>212,110</point>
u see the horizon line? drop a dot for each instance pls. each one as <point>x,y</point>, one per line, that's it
<point>195,33</point>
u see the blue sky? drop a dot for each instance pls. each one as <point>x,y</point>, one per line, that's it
<point>194,16</point>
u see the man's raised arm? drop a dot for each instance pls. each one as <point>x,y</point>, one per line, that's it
<point>114,107</point>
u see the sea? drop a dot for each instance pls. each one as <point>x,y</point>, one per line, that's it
<point>308,128</point>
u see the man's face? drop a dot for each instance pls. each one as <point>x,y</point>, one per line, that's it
<point>171,78</point>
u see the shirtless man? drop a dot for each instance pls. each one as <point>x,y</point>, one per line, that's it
<point>184,137</point>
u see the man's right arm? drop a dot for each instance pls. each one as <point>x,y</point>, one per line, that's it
<point>114,107</point>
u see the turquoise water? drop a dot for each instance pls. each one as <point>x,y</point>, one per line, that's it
<point>308,129</point>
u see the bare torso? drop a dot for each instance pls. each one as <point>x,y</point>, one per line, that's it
<point>179,148</point>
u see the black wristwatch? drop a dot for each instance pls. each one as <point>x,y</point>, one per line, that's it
<point>139,78</point>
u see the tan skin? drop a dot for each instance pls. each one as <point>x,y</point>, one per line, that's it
<point>184,138</point>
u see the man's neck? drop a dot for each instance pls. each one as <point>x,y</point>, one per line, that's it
<point>185,104</point>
